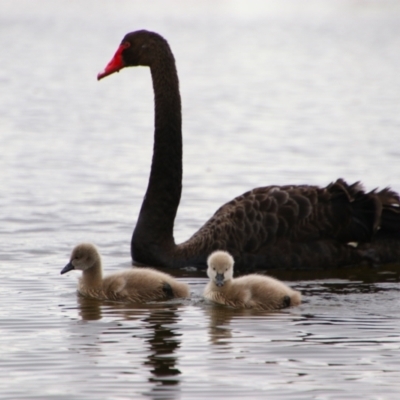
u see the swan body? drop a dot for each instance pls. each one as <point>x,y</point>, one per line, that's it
<point>290,227</point>
<point>134,285</point>
<point>249,291</point>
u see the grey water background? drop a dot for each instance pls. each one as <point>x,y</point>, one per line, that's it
<point>274,92</point>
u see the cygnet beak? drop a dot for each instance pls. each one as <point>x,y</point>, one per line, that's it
<point>219,280</point>
<point>67,268</point>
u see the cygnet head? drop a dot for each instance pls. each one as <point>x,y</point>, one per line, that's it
<point>83,257</point>
<point>220,267</point>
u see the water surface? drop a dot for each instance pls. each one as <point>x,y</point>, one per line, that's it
<point>273,93</point>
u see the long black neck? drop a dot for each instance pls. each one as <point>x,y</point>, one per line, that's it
<point>154,228</point>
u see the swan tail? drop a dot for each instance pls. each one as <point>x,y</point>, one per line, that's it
<point>373,213</point>
<point>390,218</point>
<point>358,211</point>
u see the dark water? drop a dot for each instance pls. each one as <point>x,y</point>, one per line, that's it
<point>273,93</point>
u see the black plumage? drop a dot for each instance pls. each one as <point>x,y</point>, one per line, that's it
<point>270,227</point>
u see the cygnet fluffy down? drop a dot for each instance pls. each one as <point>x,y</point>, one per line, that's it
<point>250,291</point>
<point>131,285</point>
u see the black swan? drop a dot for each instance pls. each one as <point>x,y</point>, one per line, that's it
<point>286,227</point>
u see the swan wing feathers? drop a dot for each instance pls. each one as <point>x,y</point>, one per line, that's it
<point>304,227</point>
<point>286,215</point>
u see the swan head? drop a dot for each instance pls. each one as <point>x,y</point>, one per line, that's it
<point>83,257</point>
<point>220,267</point>
<point>137,48</point>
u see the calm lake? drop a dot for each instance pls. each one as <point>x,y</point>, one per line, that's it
<point>273,92</point>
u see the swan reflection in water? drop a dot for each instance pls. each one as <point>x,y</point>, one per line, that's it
<point>155,325</point>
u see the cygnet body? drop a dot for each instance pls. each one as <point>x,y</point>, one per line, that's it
<point>250,291</point>
<point>136,285</point>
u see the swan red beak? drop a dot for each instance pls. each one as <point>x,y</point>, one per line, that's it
<point>116,64</point>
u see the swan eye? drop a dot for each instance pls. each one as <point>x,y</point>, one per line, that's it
<point>126,45</point>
